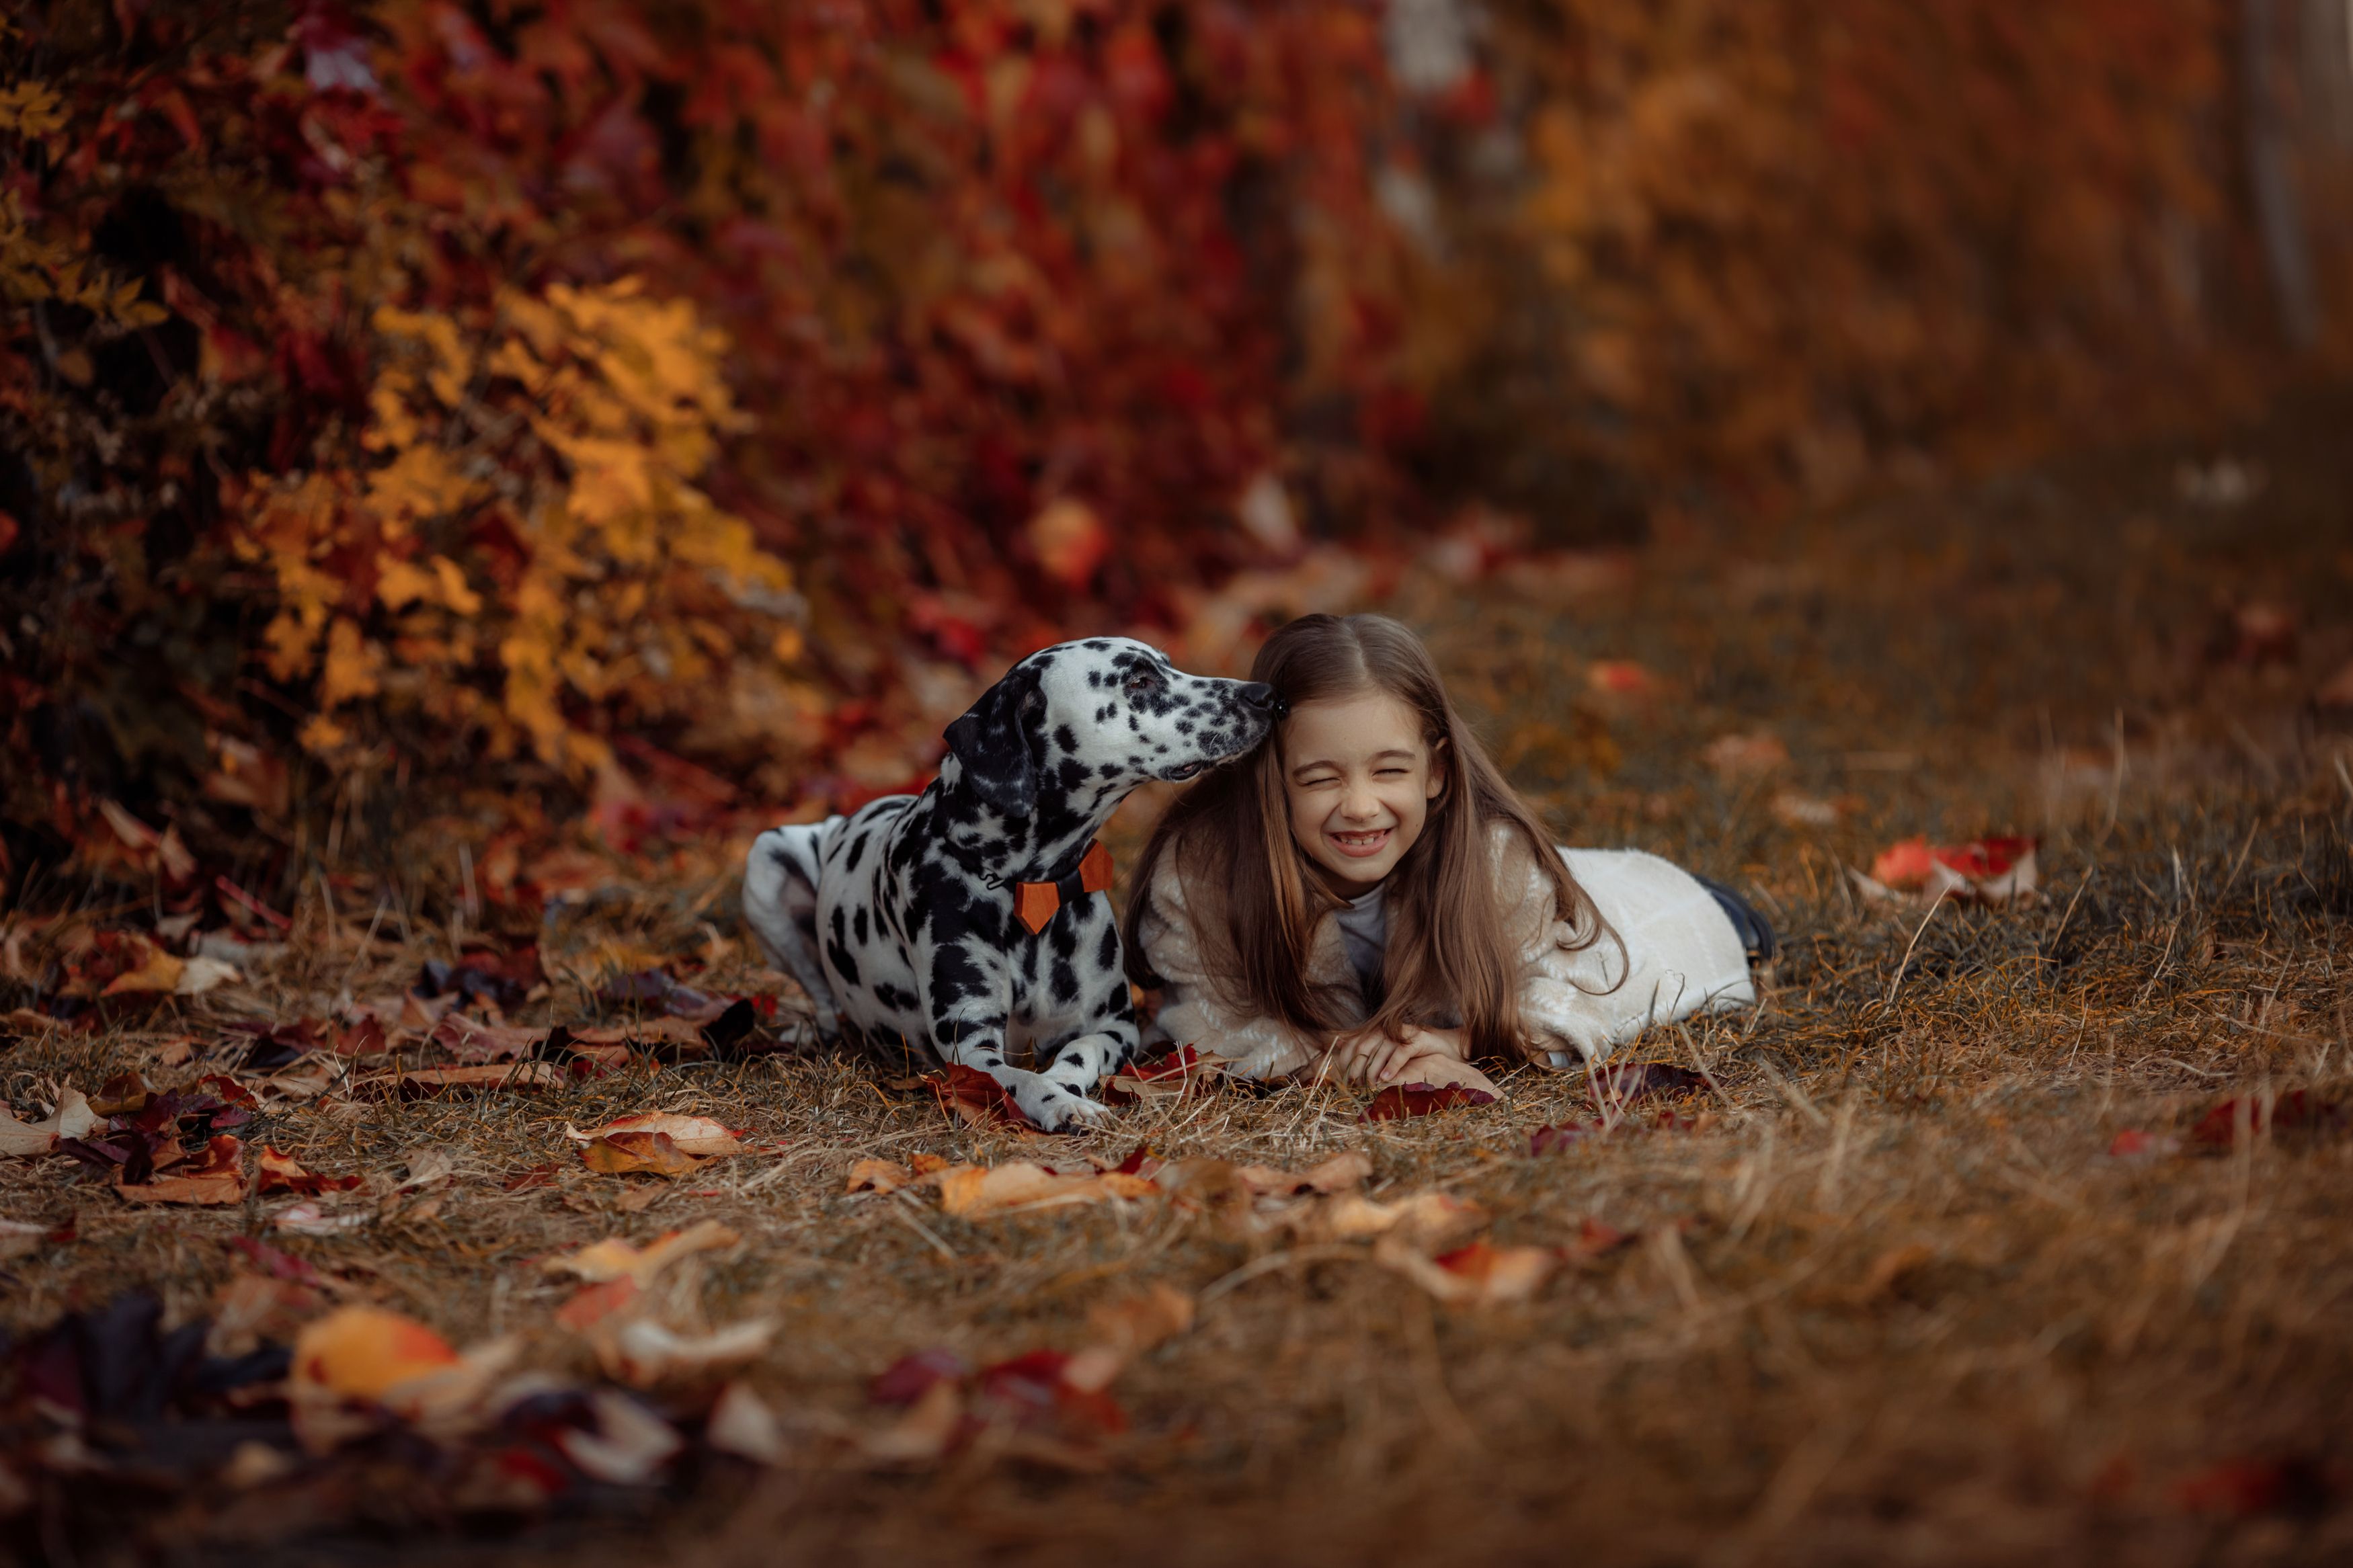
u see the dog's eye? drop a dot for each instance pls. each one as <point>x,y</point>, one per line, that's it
<point>1137,684</point>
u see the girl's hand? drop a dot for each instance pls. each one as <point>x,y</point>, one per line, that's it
<point>1372,1058</point>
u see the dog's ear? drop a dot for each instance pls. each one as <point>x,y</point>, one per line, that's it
<point>993,744</point>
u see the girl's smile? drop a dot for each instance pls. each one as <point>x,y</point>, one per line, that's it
<point>1358,778</point>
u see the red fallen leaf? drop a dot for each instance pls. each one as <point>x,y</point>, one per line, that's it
<point>1029,1390</point>
<point>1140,1162</point>
<point>537,1177</point>
<point>2293,1485</point>
<point>1621,1083</point>
<point>1989,870</point>
<point>218,1177</point>
<point>1620,678</point>
<point>1568,1135</point>
<point>1177,1073</point>
<point>2297,1111</point>
<point>974,1098</point>
<point>595,1303</point>
<point>1596,1237</point>
<point>1403,1100</point>
<point>910,1377</point>
<point>278,1265</point>
<point>283,1173</point>
<point>2131,1143</point>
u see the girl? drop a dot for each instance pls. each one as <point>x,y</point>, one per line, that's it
<point>1366,894</point>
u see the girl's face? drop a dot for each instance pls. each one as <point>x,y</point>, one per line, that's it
<point>1359,780</point>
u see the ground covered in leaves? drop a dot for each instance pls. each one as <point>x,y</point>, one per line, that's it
<point>2003,1231</point>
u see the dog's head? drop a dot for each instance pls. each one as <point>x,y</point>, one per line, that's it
<point>1073,728</point>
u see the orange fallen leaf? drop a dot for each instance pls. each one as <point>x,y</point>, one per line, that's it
<point>625,1153</point>
<point>644,1353</point>
<point>1120,1331</point>
<point>1986,871</point>
<point>1337,1173</point>
<point>614,1258</point>
<point>1478,1275</point>
<point>1424,1220</point>
<point>363,1353</point>
<point>283,1173</point>
<point>878,1176</point>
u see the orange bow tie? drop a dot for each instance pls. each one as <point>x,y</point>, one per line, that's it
<point>1037,903</point>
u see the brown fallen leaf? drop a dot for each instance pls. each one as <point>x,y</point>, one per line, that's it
<point>216,1176</point>
<point>626,1152</point>
<point>1403,1100</point>
<point>476,1043</point>
<point>696,1135</point>
<point>614,1258</point>
<point>424,1081</point>
<point>72,1118</point>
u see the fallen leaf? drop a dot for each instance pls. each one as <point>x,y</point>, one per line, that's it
<point>2297,1111</point>
<point>281,1173</point>
<point>591,1304</point>
<point>742,1423</point>
<point>1404,1100</point>
<point>2133,1143</point>
<point>2294,1486</point>
<point>878,1176</point>
<point>1620,678</point>
<point>1122,1330</point>
<point>974,1098</point>
<point>625,1153</point>
<point>696,1135</point>
<point>1746,756</point>
<point>614,1258</point>
<point>1983,870</point>
<point>73,1118</point>
<point>1171,1077</point>
<point>312,1219</point>
<point>1337,1173</point>
<point>156,970</point>
<point>643,1353</point>
<point>424,1081</point>
<point>1426,1220</point>
<point>365,1353</point>
<point>22,1238</point>
<point>934,1419</point>
<point>629,1446</point>
<point>970,1191</point>
<point>217,1177</point>
<point>906,1380</point>
<point>1621,1083</point>
<point>475,1043</point>
<point>1480,1275</point>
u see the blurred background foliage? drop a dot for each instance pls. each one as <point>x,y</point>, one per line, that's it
<point>612,403</point>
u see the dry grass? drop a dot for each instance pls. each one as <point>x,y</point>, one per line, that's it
<point>1894,1300</point>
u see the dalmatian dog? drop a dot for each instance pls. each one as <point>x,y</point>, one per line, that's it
<point>967,922</point>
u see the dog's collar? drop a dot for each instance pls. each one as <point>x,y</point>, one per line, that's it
<point>1035,904</point>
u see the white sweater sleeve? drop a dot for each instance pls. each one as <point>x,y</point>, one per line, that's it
<point>1192,1011</point>
<point>1669,953</point>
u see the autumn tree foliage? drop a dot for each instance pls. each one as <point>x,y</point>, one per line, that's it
<point>534,393</point>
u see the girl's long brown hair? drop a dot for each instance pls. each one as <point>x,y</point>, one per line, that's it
<point>1450,951</point>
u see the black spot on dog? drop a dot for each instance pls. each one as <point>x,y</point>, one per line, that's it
<point>857,852</point>
<point>858,926</point>
<point>1066,983</point>
<point>838,956</point>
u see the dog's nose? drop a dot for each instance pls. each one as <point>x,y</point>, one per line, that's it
<point>1257,694</point>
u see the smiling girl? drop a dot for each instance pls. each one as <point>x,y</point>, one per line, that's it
<point>1366,894</point>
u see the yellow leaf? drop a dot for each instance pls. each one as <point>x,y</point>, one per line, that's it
<point>350,667</point>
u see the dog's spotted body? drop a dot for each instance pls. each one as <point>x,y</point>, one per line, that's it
<point>898,920</point>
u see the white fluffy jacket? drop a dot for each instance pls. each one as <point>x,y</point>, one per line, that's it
<point>1680,955</point>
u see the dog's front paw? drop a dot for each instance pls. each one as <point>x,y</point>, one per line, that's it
<point>1053,1108</point>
